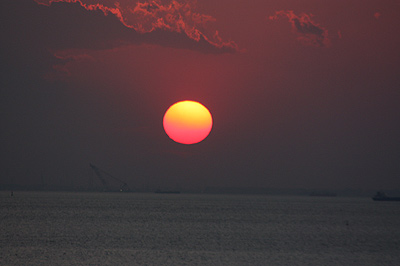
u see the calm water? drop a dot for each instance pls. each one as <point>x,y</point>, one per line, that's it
<point>46,228</point>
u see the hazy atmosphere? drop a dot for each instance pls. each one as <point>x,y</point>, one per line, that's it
<point>303,94</point>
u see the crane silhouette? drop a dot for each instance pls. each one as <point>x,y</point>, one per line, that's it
<point>102,177</point>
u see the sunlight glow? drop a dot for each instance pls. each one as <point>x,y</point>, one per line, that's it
<point>187,122</point>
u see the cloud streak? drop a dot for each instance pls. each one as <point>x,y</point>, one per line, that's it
<point>308,31</point>
<point>152,18</point>
<point>40,35</point>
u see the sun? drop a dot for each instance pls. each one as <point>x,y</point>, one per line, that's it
<point>187,122</point>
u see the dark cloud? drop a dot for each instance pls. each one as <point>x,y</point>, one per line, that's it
<point>145,21</point>
<point>309,32</point>
<point>33,33</point>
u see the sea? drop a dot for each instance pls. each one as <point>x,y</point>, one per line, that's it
<point>87,228</point>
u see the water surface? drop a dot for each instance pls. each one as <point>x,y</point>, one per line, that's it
<point>54,228</point>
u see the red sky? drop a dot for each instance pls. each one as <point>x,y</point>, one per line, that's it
<point>304,94</point>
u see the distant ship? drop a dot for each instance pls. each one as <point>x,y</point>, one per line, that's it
<point>380,196</point>
<point>322,194</point>
<point>167,191</point>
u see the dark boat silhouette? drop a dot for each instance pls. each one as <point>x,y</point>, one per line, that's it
<point>380,196</point>
<point>322,194</point>
<point>167,191</point>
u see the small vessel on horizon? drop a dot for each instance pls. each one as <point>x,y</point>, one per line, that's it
<point>380,196</point>
<point>322,194</point>
<point>167,191</point>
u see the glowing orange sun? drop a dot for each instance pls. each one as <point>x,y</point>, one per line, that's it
<point>187,122</point>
